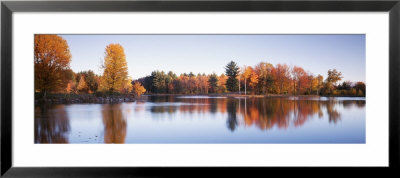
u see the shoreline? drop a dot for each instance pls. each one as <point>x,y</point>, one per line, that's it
<point>92,98</point>
<point>249,95</point>
<point>84,99</point>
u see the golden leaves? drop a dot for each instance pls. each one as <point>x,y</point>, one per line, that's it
<point>138,89</point>
<point>51,58</point>
<point>115,68</point>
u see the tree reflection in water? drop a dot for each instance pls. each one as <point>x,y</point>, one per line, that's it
<point>264,113</point>
<point>114,123</point>
<point>333,114</point>
<point>51,124</point>
<point>232,118</point>
<point>282,112</point>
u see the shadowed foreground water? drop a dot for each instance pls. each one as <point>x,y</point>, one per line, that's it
<point>202,119</point>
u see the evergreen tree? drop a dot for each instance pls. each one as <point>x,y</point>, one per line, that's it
<point>213,82</point>
<point>232,71</point>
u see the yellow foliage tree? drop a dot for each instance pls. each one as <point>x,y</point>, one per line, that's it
<point>138,89</point>
<point>115,67</point>
<point>126,86</point>
<point>253,79</point>
<point>250,77</point>
<point>82,86</point>
<point>247,72</point>
<point>52,58</point>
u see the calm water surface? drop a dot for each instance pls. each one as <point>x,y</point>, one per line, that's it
<point>203,119</point>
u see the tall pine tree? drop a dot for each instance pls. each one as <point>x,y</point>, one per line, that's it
<point>232,71</point>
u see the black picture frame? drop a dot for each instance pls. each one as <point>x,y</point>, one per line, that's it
<point>8,7</point>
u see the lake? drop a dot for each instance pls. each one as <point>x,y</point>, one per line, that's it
<point>205,119</point>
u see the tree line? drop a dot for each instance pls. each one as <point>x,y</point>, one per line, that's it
<point>53,75</point>
<point>264,78</point>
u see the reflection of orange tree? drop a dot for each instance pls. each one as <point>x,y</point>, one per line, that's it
<point>51,124</point>
<point>304,109</point>
<point>262,113</point>
<point>267,113</point>
<point>221,105</point>
<point>114,124</point>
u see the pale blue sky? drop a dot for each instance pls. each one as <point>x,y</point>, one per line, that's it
<point>210,53</point>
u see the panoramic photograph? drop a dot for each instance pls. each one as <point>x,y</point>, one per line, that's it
<point>199,89</point>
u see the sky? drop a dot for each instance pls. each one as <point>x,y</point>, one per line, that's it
<point>210,53</point>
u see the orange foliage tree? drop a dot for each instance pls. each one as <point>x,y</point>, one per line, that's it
<point>282,82</point>
<point>299,79</point>
<point>126,87</point>
<point>202,83</point>
<point>82,87</point>
<point>138,89</point>
<point>221,83</point>
<point>250,78</point>
<point>52,58</point>
<point>115,68</point>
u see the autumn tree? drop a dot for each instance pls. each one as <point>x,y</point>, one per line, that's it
<point>191,83</point>
<point>138,89</point>
<point>126,86</point>
<point>244,76</point>
<point>308,83</point>
<point>72,84</point>
<point>222,84</point>
<point>202,83</point>
<point>232,71</point>
<point>253,81</point>
<point>250,78</point>
<point>115,68</point>
<point>333,77</point>
<point>92,80</point>
<point>71,87</point>
<point>300,79</point>
<point>183,84</point>
<point>171,77</point>
<point>265,78</point>
<point>320,84</point>
<point>52,58</point>
<point>282,78</point>
<point>82,87</point>
<point>70,78</point>
<point>360,88</point>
